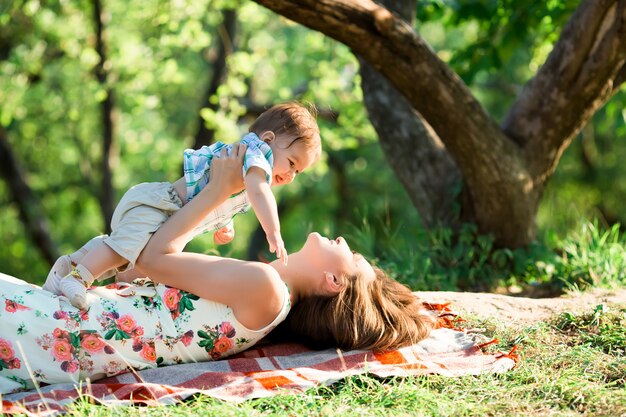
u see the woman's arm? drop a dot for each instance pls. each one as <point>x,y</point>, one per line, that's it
<point>225,180</point>
<point>252,289</point>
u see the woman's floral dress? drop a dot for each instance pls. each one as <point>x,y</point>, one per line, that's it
<point>140,326</point>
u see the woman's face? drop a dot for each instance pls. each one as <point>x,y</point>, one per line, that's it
<point>336,257</point>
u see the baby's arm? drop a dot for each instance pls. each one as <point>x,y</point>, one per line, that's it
<point>264,205</point>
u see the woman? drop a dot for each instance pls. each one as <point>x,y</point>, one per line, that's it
<point>339,299</point>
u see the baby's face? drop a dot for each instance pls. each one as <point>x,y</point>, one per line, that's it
<point>289,160</point>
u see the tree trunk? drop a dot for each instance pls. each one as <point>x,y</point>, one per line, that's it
<point>29,209</point>
<point>505,169</point>
<point>226,32</point>
<point>107,197</point>
<point>413,149</point>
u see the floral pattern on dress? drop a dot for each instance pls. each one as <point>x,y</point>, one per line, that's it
<point>119,288</point>
<point>12,306</point>
<point>7,356</point>
<point>124,328</point>
<point>73,350</point>
<point>186,339</point>
<point>119,327</point>
<point>72,318</point>
<point>149,304</point>
<point>218,340</point>
<point>127,326</point>
<point>178,301</point>
<point>112,368</point>
<point>170,343</point>
<point>145,347</point>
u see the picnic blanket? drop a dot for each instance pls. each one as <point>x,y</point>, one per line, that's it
<point>272,369</point>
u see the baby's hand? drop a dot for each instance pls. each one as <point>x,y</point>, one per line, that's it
<point>277,246</point>
<point>224,235</point>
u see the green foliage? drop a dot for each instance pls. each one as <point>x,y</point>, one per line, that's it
<point>441,259</point>
<point>494,45</point>
<point>603,328</point>
<point>588,182</point>
<point>594,257</point>
<point>159,56</point>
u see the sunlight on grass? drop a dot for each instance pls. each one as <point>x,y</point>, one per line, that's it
<point>571,365</point>
<point>603,328</point>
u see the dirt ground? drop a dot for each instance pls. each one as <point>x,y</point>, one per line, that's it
<point>522,309</point>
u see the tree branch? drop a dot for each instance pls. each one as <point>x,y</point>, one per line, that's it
<point>29,209</point>
<point>412,148</point>
<point>226,31</point>
<point>483,153</point>
<point>619,78</point>
<point>106,117</point>
<point>487,159</point>
<point>577,78</point>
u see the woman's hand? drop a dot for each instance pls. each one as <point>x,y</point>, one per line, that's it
<point>226,172</point>
<point>225,179</point>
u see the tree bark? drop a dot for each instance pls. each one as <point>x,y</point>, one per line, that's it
<point>226,32</point>
<point>581,73</point>
<point>28,206</point>
<point>411,146</point>
<point>107,195</point>
<point>504,169</point>
<point>337,167</point>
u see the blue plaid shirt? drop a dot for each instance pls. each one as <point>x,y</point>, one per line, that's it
<point>197,166</point>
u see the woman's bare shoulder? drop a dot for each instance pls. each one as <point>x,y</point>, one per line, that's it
<point>259,272</point>
<point>263,299</point>
<point>267,282</point>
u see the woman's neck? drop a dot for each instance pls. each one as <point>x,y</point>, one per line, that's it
<point>294,276</point>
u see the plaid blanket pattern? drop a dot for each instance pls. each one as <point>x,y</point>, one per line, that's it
<point>273,369</point>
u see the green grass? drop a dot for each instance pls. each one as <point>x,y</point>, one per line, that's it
<point>602,328</point>
<point>590,255</point>
<point>571,365</point>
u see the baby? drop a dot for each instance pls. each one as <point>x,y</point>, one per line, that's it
<point>283,141</point>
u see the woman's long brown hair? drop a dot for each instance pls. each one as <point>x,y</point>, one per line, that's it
<point>381,314</point>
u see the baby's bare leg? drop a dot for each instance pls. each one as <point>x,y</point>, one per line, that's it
<point>129,275</point>
<point>101,258</point>
<point>98,259</point>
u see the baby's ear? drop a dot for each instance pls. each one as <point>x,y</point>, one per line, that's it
<point>268,136</point>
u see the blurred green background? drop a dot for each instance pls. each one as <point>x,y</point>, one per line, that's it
<point>160,59</point>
